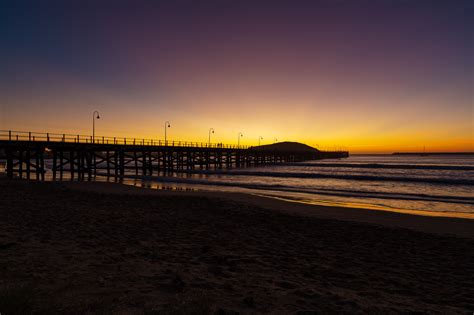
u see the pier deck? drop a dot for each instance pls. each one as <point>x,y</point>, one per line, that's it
<point>81,156</point>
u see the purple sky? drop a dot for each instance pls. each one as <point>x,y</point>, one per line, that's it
<point>367,75</point>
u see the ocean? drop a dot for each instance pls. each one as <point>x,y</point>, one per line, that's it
<point>428,185</point>
<point>431,185</point>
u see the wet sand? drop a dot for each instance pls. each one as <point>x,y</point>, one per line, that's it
<point>107,248</point>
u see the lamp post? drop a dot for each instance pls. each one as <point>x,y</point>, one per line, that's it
<point>210,130</point>
<point>259,138</point>
<point>238,139</point>
<point>95,115</point>
<point>167,125</point>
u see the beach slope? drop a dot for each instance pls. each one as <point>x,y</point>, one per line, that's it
<point>98,247</point>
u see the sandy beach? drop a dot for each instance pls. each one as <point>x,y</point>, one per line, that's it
<point>89,247</point>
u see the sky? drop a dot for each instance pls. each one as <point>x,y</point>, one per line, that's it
<point>367,76</point>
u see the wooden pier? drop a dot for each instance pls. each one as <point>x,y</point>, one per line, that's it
<point>81,157</point>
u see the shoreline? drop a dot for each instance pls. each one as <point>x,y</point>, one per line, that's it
<point>459,224</point>
<point>414,220</point>
<point>408,200</point>
<point>425,213</point>
<point>271,194</point>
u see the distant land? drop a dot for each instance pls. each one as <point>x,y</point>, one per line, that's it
<point>302,149</point>
<point>433,153</point>
<point>286,146</point>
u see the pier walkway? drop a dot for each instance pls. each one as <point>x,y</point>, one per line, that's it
<point>81,156</point>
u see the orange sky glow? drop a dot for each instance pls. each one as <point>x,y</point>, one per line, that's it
<point>371,77</point>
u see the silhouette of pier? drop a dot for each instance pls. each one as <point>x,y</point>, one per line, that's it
<point>82,156</point>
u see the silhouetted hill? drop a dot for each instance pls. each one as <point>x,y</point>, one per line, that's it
<point>286,146</point>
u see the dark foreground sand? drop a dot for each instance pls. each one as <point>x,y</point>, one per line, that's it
<point>103,248</point>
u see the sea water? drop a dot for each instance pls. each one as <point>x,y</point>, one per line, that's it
<point>431,184</point>
<point>437,183</point>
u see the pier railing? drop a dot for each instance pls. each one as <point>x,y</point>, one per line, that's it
<point>12,135</point>
<point>78,155</point>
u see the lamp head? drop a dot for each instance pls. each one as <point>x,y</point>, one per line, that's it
<point>98,117</point>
